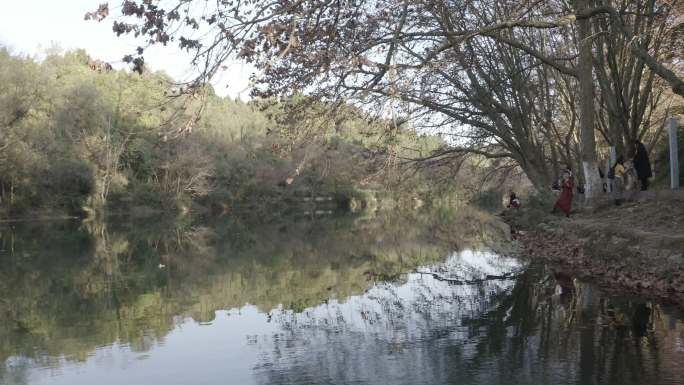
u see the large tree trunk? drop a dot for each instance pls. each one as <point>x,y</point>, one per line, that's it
<point>586,84</point>
<point>537,174</point>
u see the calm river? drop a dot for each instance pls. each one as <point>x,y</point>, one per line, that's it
<point>376,299</point>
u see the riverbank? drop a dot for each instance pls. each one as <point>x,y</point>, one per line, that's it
<point>635,248</point>
<point>284,205</point>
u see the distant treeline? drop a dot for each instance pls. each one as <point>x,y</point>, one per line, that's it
<point>74,138</point>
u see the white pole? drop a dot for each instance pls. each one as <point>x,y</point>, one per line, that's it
<point>674,156</point>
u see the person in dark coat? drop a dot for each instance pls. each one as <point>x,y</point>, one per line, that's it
<point>642,164</point>
<point>513,201</point>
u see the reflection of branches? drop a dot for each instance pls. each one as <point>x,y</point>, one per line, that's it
<point>453,281</point>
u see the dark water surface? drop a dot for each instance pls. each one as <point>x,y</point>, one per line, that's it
<point>383,299</point>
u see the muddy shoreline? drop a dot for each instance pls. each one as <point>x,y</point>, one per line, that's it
<point>636,249</point>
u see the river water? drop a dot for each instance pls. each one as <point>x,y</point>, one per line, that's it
<point>375,299</point>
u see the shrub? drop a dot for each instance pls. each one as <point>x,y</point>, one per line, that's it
<point>69,183</point>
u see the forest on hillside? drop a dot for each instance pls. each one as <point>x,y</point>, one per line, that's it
<point>79,138</point>
<point>412,100</point>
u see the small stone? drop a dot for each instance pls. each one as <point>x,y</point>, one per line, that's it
<point>676,258</point>
<point>543,227</point>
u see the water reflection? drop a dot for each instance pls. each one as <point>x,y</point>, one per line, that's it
<point>343,300</point>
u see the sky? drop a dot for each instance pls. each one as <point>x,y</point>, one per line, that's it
<point>30,27</point>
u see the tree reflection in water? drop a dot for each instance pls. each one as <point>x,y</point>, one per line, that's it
<point>544,327</point>
<point>339,300</point>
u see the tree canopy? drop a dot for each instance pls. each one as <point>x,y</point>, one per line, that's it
<point>504,79</point>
